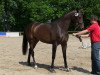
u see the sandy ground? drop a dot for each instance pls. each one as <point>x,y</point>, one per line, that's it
<point>12,62</point>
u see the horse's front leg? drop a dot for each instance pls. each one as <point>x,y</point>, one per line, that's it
<point>64,47</point>
<point>54,47</point>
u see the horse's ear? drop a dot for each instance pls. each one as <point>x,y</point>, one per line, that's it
<point>77,12</point>
<point>77,9</point>
<point>80,11</point>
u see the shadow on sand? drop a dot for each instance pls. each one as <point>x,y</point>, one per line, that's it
<point>80,69</point>
<point>47,67</point>
<point>44,66</point>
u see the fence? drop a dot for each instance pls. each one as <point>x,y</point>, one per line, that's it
<point>17,34</point>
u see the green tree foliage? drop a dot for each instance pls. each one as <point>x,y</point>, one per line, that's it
<point>19,13</point>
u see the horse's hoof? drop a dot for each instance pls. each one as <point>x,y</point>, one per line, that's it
<point>65,69</point>
<point>52,70</point>
<point>35,67</point>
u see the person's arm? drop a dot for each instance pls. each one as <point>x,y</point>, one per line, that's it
<point>85,36</point>
<point>81,32</point>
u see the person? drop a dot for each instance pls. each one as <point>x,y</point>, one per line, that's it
<point>94,33</point>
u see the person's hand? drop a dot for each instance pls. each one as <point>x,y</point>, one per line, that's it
<point>78,36</point>
<point>74,34</point>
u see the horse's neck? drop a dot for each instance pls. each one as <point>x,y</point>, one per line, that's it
<point>63,22</point>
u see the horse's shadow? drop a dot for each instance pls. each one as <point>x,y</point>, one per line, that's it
<point>44,66</point>
<point>47,67</point>
<point>80,69</point>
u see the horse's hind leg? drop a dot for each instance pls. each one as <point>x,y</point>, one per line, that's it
<point>34,44</point>
<point>31,52</point>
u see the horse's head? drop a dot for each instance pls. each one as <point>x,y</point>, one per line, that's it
<point>77,17</point>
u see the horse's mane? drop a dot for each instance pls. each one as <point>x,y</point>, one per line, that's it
<point>63,17</point>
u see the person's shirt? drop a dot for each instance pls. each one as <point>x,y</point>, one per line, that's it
<point>94,30</point>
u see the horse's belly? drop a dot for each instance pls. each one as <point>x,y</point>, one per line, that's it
<point>45,39</point>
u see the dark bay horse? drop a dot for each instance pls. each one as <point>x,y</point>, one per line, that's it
<point>55,33</point>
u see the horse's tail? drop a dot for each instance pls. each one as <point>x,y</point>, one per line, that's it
<point>24,44</point>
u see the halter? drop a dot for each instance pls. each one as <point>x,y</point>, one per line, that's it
<point>76,27</point>
<point>77,14</point>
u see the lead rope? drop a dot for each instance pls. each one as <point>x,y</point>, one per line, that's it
<point>80,39</point>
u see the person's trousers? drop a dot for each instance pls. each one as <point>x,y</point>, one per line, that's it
<point>95,57</point>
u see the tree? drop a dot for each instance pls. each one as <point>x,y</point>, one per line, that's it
<point>22,12</point>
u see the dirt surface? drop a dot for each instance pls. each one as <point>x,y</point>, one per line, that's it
<point>12,62</point>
